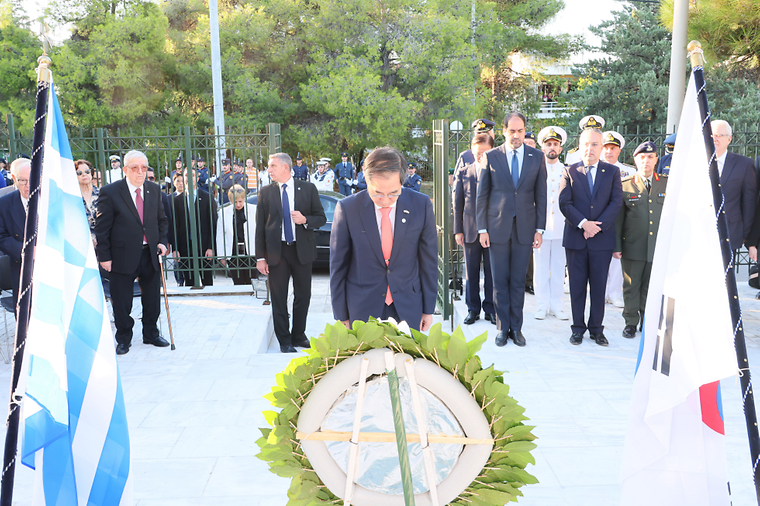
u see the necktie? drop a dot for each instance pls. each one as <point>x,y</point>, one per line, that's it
<point>649,185</point>
<point>386,239</point>
<point>590,179</point>
<point>515,168</point>
<point>286,215</point>
<point>139,206</point>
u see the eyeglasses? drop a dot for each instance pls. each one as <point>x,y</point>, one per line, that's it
<point>719,136</point>
<point>139,168</point>
<point>22,181</point>
<point>384,196</point>
<point>151,178</point>
<point>85,171</point>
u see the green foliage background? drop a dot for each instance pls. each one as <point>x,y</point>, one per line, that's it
<point>500,479</point>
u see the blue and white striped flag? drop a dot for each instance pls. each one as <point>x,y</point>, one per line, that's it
<point>74,425</point>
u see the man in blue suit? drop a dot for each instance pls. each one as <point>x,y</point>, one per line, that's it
<point>738,182</point>
<point>383,249</point>
<point>590,197</point>
<point>13,219</point>
<point>511,216</point>
<point>344,173</point>
<point>466,233</point>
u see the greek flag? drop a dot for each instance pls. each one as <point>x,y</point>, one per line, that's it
<point>675,451</point>
<point>74,425</point>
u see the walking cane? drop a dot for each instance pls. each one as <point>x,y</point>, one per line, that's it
<point>166,300</point>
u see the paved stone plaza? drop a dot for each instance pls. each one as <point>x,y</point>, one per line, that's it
<point>194,413</point>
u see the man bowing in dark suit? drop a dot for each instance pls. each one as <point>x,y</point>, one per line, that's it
<point>738,182</point>
<point>287,213</point>
<point>383,249</point>
<point>132,229</point>
<point>13,219</point>
<point>205,210</point>
<point>590,197</point>
<point>511,218</point>
<point>466,233</point>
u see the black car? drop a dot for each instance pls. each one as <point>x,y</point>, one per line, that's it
<point>329,201</point>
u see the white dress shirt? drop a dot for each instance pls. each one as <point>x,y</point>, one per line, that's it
<point>291,201</point>
<point>722,162</point>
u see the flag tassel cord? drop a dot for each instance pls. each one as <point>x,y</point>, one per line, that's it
<point>25,284</point>
<point>750,414</point>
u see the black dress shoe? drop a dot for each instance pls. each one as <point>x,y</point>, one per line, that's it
<point>518,338</point>
<point>629,331</point>
<point>302,343</point>
<point>501,339</point>
<point>576,338</point>
<point>529,289</point>
<point>472,316</point>
<point>122,349</point>
<point>491,317</point>
<point>288,348</point>
<point>156,341</point>
<point>599,339</point>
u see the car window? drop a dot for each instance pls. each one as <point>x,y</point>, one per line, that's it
<point>329,205</point>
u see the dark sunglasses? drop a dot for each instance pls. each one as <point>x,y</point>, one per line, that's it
<point>86,171</point>
<point>151,178</point>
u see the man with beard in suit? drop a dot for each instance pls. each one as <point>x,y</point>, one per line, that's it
<point>511,216</point>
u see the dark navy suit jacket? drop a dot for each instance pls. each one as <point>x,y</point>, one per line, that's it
<point>498,200</point>
<point>577,203</point>
<point>359,277</point>
<point>12,223</point>
<point>465,201</point>
<point>739,186</point>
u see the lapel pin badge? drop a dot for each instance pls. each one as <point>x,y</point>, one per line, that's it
<point>403,220</point>
<point>406,211</point>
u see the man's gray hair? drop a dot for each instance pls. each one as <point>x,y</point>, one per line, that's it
<point>283,158</point>
<point>18,163</point>
<point>723,122</point>
<point>134,154</point>
<point>386,161</point>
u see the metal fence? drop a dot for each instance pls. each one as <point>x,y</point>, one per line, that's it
<point>200,215</point>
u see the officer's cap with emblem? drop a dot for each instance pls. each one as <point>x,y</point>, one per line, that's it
<point>2,160</point>
<point>552,133</point>
<point>325,159</point>
<point>225,161</point>
<point>114,158</point>
<point>645,147</point>
<point>481,126</point>
<point>670,141</point>
<point>179,159</point>
<point>298,156</point>
<point>612,137</point>
<point>412,165</point>
<point>530,135</point>
<point>592,121</point>
<point>201,159</point>
<point>344,154</point>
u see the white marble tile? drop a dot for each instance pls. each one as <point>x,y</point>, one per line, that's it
<point>192,414</point>
<point>218,441</point>
<point>171,478</point>
<point>246,476</point>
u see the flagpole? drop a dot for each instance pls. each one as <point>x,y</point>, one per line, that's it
<point>25,284</point>
<point>750,415</point>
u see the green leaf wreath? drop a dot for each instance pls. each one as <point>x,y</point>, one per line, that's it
<point>501,477</point>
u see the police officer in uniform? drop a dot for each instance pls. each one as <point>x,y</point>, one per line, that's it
<point>670,145</point>
<point>592,121</point>
<point>228,180</point>
<point>300,169</point>
<point>202,174</point>
<point>636,232</point>
<point>413,180</point>
<point>530,139</point>
<point>612,145</point>
<point>479,126</point>
<point>344,173</point>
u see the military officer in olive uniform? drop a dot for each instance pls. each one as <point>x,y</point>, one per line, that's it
<point>413,180</point>
<point>344,173</point>
<point>300,169</point>
<point>670,145</point>
<point>479,126</point>
<point>636,232</point>
<point>593,121</point>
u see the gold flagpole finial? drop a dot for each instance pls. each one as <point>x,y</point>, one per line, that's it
<point>696,54</point>
<point>44,61</point>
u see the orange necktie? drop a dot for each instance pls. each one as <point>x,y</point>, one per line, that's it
<point>386,239</point>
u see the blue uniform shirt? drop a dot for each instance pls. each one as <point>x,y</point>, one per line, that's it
<point>414,182</point>
<point>344,170</point>
<point>301,172</point>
